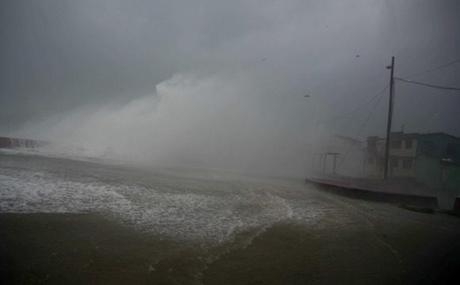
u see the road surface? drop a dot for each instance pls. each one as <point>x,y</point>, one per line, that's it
<point>72,221</point>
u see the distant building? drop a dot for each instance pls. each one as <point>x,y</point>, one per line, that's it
<point>411,151</point>
<point>432,159</point>
<point>403,152</point>
<point>7,142</point>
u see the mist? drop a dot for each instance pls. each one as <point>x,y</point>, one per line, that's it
<point>229,142</point>
<point>220,85</point>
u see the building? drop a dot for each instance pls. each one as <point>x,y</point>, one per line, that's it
<point>431,159</point>
<point>409,152</point>
<point>403,153</point>
<point>7,142</point>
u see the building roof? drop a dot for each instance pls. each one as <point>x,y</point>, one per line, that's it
<point>348,139</point>
<point>402,135</point>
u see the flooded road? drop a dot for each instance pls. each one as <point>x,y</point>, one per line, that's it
<point>116,224</point>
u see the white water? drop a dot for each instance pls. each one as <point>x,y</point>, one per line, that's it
<point>177,209</point>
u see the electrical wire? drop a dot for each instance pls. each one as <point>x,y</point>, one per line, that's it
<point>378,95</point>
<point>435,68</point>
<point>361,127</point>
<point>428,84</point>
<point>354,111</point>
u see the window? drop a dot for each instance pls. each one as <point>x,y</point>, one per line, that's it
<point>407,163</point>
<point>408,143</point>
<point>396,144</point>
<point>394,162</point>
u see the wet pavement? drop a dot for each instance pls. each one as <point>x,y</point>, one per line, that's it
<point>82,222</point>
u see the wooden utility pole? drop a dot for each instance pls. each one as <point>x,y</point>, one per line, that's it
<point>390,116</point>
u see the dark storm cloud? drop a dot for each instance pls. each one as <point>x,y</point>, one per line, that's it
<point>59,56</point>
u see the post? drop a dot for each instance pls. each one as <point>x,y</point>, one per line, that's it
<point>324,162</point>
<point>335,163</point>
<point>390,116</point>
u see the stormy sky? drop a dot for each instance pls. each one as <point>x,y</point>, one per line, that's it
<point>207,80</point>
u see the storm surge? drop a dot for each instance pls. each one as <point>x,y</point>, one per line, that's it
<point>224,121</point>
<point>196,210</point>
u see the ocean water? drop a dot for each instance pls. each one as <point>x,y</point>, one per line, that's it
<point>180,205</point>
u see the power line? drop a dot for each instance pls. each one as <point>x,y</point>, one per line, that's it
<point>369,116</point>
<point>428,84</point>
<point>435,68</point>
<point>371,113</point>
<point>355,110</point>
<point>363,125</point>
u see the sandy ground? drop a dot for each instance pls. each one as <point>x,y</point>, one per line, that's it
<point>91,249</point>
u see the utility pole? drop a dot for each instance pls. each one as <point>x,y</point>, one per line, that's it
<point>390,116</point>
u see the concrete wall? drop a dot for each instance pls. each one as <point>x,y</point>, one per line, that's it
<point>428,171</point>
<point>399,170</point>
<point>453,178</point>
<point>444,180</point>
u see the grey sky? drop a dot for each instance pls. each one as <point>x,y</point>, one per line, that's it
<point>60,56</point>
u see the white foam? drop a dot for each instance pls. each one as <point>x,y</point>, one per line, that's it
<point>214,217</point>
